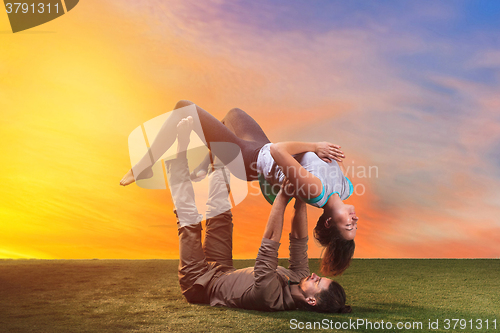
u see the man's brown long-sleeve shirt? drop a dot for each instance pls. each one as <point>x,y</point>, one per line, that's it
<point>265,286</point>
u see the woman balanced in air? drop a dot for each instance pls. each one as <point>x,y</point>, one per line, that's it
<point>311,167</point>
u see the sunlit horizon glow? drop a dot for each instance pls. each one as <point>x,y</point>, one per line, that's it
<point>412,89</point>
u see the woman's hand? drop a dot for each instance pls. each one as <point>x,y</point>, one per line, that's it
<point>287,190</point>
<point>328,151</point>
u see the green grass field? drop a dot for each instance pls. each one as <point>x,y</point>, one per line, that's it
<point>143,295</point>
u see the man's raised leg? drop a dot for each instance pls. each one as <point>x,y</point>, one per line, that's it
<point>218,246</point>
<point>192,262</point>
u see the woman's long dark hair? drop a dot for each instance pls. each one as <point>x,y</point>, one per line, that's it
<point>338,251</point>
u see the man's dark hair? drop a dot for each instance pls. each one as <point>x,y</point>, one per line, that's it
<point>330,300</point>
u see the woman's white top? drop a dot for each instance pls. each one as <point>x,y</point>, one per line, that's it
<point>332,179</point>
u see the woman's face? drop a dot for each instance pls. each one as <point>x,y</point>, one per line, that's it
<point>346,221</point>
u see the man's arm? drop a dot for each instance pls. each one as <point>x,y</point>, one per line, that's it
<point>267,288</point>
<point>274,225</point>
<point>299,221</point>
<point>298,259</point>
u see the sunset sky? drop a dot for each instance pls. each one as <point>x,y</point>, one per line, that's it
<point>410,89</point>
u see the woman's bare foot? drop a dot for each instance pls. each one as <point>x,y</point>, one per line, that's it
<point>128,178</point>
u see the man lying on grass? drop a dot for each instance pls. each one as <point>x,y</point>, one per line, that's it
<point>206,273</point>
